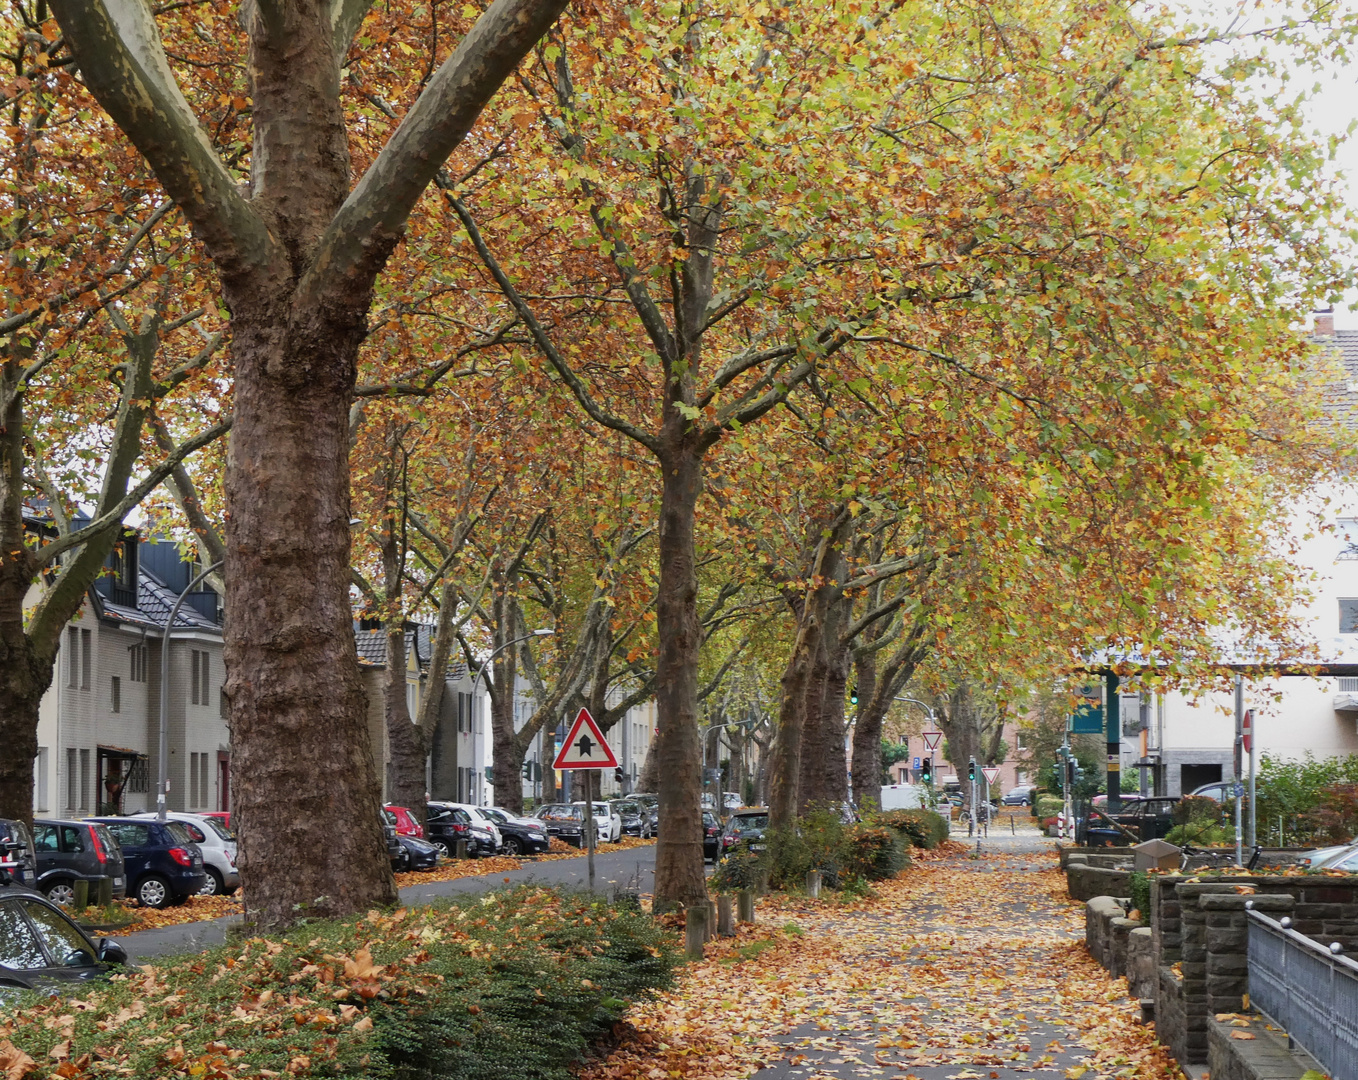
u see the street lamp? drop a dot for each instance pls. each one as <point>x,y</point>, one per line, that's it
<point>163,772</point>
<point>545,632</point>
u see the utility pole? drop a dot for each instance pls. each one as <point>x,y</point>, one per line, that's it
<point>1113,733</point>
<point>1239,760</point>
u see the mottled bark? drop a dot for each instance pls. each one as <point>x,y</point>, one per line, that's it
<point>679,878</point>
<point>405,742</point>
<point>811,770</point>
<point>867,732</point>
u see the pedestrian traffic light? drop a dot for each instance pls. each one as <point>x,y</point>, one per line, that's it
<point>926,770</point>
<point>1073,772</point>
<point>853,695</point>
<point>971,771</point>
<point>617,774</point>
<point>528,770</point>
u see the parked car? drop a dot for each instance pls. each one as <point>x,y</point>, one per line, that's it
<point>607,824</point>
<point>1219,790</point>
<point>446,825</point>
<point>521,835</point>
<point>711,836</point>
<point>635,819</point>
<point>40,946</point>
<point>566,821</point>
<point>745,827</point>
<point>418,854</point>
<point>479,819</point>
<point>406,825</point>
<point>224,816</point>
<point>395,852</point>
<point>218,845</point>
<point>731,800</point>
<point>71,851</point>
<point>1020,796</point>
<point>1140,819</point>
<point>164,866</point>
<point>18,863</point>
<point>1319,856</point>
<point>651,804</point>
<point>1346,859</point>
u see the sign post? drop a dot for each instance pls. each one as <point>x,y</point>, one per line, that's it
<point>585,747</point>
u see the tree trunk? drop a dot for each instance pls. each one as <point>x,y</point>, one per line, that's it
<point>834,765</point>
<point>24,678</point>
<point>298,720</point>
<point>738,740</point>
<point>649,777</point>
<point>811,769</point>
<point>785,754</point>
<point>867,732</point>
<point>507,769</point>
<point>406,784</point>
<point>679,878</point>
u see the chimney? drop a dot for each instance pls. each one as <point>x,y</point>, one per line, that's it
<point>1324,323</point>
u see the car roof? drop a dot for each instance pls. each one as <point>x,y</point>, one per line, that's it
<point>64,821</point>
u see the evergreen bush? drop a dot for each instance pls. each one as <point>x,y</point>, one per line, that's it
<point>921,828</point>
<point>872,853</point>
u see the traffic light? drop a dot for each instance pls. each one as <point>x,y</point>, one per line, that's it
<point>528,770</point>
<point>971,771</point>
<point>617,774</point>
<point>853,695</point>
<point>926,770</point>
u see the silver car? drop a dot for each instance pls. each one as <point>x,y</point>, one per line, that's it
<point>218,844</point>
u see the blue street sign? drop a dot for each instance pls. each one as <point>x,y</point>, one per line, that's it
<point>917,765</point>
<point>1238,791</point>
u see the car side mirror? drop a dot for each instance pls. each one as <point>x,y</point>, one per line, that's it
<point>110,952</point>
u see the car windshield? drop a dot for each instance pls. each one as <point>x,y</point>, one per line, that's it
<point>495,815</point>
<point>220,829</point>
<point>388,816</point>
<point>627,808</point>
<point>748,822</point>
<point>66,944</point>
<point>562,813</point>
<point>180,834</point>
<point>19,948</point>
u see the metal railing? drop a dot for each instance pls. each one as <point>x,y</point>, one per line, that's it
<point>1308,991</point>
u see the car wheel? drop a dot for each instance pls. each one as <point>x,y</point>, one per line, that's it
<point>443,849</point>
<point>61,892</point>
<point>213,886</point>
<point>153,892</point>
<point>513,846</point>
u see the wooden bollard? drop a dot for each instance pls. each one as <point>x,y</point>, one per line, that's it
<point>695,930</point>
<point>711,919</point>
<point>813,884</point>
<point>745,905</point>
<point>461,849</point>
<point>81,900</point>
<point>105,891</point>
<point>726,917</point>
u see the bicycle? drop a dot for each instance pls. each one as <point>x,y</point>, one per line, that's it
<point>1216,858</point>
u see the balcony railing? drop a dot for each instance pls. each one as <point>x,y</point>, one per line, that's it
<point>1308,991</point>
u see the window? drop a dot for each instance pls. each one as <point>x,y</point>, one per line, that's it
<point>130,836</point>
<point>1348,614</point>
<point>18,947</point>
<point>193,768</point>
<point>136,656</point>
<point>116,697</point>
<point>72,657</point>
<point>40,781</point>
<point>202,779</point>
<point>199,681</point>
<point>1347,531</point>
<point>139,776</point>
<point>198,793</point>
<point>223,707</point>
<point>84,779</point>
<point>86,658</point>
<point>72,793</point>
<point>65,944</point>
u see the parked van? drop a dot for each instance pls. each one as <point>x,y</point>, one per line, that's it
<point>902,797</point>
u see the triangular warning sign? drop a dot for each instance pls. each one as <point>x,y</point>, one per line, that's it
<point>585,746</point>
<point>991,775</point>
<point>932,739</point>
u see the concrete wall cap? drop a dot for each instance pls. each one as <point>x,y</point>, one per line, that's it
<point>1237,902</point>
<point>1142,931</point>
<point>1199,888</point>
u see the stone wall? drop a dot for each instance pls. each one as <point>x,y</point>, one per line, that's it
<point>1264,1057</point>
<point>1084,882</point>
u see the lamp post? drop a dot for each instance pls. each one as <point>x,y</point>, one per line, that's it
<point>545,632</point>
<point>163,772</point>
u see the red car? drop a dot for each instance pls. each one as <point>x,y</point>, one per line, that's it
<point>224,816</point>
<point>406,825</point>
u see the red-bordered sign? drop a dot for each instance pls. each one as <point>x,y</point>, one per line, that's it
<point>585,746</point>
<point>991,775</point>
<point>932,739</point>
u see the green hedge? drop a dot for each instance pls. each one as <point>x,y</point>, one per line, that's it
<point>922,828</point>
<point>873,852</point>
<point>1048,806</point>
<point>504,986</point>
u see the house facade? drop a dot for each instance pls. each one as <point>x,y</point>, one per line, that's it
<point>99,722</point>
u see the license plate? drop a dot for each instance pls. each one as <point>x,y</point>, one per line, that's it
<point>757,847</point>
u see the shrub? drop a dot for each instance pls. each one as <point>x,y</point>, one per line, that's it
<point>921,828</point>
<point>1140,886</point>
<point>738,870</point>
<point>1048,806</point>
<point>502,986</point>
<point>1197,810</point>
<point>1336,816</point>
<point>872,853</point>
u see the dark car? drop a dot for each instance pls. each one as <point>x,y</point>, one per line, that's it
<point>17,861</point>
<point>745,827</point>
<point>164,866</point>
<point>445,825</point>
<point>1020,796</point>
<point>711,836</point>
<point>521,836</point>
<point>563,820</point>
<point>1140,819</point>
<point>40,946</point>
<point>391,834</point>
<point>71,851</point>
<point>636,820</point>
<point>418,854</point>
<point>651,805</point>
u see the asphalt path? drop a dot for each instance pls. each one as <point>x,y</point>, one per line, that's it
<point>629,870</point>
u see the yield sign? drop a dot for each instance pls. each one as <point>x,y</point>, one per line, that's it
<point>932,739</point>
<point>585,746</point>
<point>991,775</point>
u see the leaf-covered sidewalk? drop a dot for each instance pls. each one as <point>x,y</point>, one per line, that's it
<point>962,969</point>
